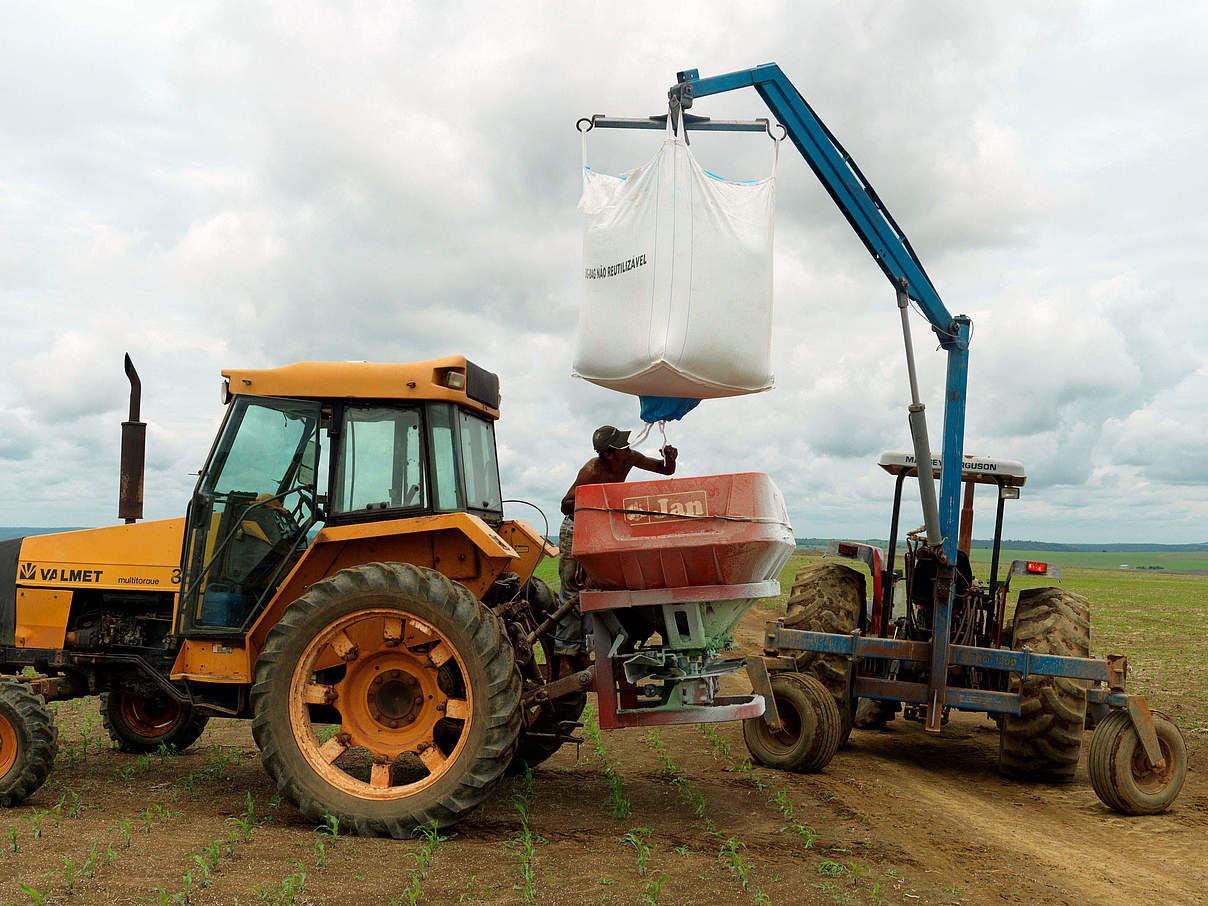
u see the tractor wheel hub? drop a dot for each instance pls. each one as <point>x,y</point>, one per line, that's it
<point>394,698</point>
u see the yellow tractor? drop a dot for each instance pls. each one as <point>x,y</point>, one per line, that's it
<point>343,576</point>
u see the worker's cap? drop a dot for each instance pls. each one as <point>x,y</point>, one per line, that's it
<point>606,437</point>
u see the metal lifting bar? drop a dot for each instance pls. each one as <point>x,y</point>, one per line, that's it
<point>691,123</point>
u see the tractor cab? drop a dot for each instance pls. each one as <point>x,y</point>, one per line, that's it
<point>983,618</point>
<point>900,601</point>
<point>334,444</point>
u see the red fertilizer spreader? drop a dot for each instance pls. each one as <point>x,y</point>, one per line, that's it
<point>672,566</point>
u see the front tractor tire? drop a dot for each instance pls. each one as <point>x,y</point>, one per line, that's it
<point>29,741</point>
<point>387,696</point>
<point>810,731</point>
<point>1121,773</point>
<point>828,597</point>
<point>143,723</point>
<point>1044,740</point>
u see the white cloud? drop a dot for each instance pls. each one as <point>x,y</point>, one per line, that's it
<point>253,184</point>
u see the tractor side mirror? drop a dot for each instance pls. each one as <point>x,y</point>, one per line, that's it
<point>134,448</point>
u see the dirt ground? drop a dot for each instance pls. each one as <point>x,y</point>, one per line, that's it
<point>898,817</point>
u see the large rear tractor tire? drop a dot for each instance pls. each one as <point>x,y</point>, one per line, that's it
<point>387,696</point>
<point>539,736</point>
<point>139,723</point>
<point>1044,741</point>
<point>811,726</point>
<point>1121,774</point>
<point>28,741</point>
<point>828,597</point>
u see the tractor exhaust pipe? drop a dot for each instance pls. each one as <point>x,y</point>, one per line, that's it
<point>134,448</point>
<point>918,433</point>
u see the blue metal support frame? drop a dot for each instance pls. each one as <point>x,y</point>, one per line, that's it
<point>956,342</point>
<point>1025,663</point>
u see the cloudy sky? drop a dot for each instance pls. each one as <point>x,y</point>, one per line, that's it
<point>250,184</point>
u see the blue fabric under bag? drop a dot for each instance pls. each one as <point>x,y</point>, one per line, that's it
<point>666,408</point>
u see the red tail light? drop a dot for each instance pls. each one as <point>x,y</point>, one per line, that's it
<point>847,549</point>
<point>1035,566</point>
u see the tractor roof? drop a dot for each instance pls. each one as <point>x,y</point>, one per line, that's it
<point>452,379</point>
<point>978,469</point>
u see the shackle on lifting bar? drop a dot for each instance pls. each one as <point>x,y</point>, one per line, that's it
<point>918,431</point>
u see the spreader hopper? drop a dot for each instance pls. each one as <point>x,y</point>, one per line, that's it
<point>672,566</point>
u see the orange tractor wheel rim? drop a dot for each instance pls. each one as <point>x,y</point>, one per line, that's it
<point>389,700</point>
<point>149,717</point>
<point>8,745</point>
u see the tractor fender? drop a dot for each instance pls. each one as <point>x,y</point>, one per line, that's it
<point>460,545</point>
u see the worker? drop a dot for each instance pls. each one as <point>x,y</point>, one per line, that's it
<point>612,462</point>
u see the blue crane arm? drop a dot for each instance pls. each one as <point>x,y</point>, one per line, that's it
<point>838,174</point>
<point>891,249</point>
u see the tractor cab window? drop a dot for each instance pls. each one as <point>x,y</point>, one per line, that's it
<point>251,510</point>
<point>380,462</point>
<point>446,466</point>
<point>465,472</point>
<point>479,464</point>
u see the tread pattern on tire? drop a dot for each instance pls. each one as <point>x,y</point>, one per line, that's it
<point>1044,740</point>
<point>488,643</point>
<point>831,729</point>
<point>1099,757</point>
<point>827,597</point>
<point>183,735</point>
<point>37,741</point>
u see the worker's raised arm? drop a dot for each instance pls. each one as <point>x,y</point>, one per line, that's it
<point>664,466</point>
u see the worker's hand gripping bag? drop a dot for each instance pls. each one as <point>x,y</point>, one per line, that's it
<point>678,279</point>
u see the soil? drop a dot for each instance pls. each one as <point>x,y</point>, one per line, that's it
<point>897,817</point>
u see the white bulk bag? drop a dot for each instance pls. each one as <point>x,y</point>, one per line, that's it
<point>677,279</point>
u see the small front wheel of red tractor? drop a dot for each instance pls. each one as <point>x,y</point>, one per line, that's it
<point>811,726</point>
<point>1121,773</point>
<point>143,723</point>
<point>387,696</point>
<point>28,741</point>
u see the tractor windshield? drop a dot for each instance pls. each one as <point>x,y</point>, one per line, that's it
<point>250,512</point>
